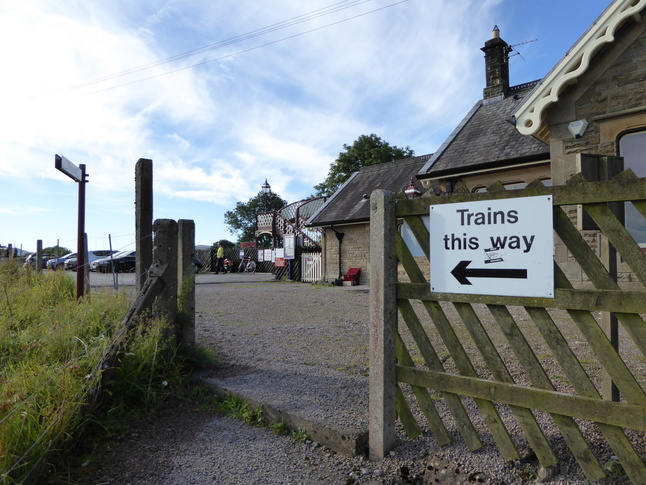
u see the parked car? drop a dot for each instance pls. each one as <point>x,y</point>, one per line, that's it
<point>31,260</point>
<point>59,262</point>
<point>198,265</point>
<point>123,262</point>
<point>70,264</point>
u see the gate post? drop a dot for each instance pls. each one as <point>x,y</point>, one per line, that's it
<point>143,219</point>
<point>165,253</point>
<point>186,280</point>
<point>383,322</point>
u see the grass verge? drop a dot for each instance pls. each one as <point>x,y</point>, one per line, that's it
<point>50,349</point>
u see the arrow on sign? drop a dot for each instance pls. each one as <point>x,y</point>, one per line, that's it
<point>462,273</point>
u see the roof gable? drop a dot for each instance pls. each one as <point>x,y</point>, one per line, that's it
<point>531,112</point>
<point>351,202</point>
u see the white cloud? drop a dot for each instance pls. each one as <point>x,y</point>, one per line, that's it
<point>261,108</point>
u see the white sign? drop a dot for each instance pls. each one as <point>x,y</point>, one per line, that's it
<point>493,247</point>
<point>289,243</point>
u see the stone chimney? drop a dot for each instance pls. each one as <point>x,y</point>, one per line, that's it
<point>496,66</point>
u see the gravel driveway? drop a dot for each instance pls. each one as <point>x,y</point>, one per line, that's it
<point>303,350</point>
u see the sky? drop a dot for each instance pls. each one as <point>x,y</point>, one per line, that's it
<point>223,95</point>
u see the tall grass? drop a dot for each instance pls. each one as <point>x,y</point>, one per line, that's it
<point>50,347</point>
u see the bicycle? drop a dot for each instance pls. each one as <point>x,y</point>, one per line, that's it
<point>247,266</point>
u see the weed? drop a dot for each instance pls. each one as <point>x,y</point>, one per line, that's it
<point>238,408</point>
<point>300,435</point>
<point>615,468</point>
<point>279,428</point>
<point>200,393</point>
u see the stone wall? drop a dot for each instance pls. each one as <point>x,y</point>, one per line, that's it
<point>355,252</point>
<point>611,97</point>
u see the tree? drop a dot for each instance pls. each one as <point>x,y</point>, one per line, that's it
<point>226,244</point>
<point>57,250</point>
<point>366,150</point>
<point>242,219</point>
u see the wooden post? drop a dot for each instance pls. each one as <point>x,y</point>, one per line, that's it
<point>39,255</point>
<point>383,321</point>
<point>143,219</point>
<point>165,253</point>
<point>609,321</point>
<point>186,281</point>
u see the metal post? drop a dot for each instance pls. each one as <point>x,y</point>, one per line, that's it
<point>86,267</point>
<point>383,324</point>
<point>80,241</point>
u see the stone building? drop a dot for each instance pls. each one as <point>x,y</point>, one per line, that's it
<point>345,218</point>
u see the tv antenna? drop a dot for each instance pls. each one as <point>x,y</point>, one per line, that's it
<point>511,48</point>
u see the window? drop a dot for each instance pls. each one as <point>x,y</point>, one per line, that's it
<point>632,146</point>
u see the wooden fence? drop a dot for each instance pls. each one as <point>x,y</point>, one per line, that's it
<point>311,267</point>
<point>524,370</point>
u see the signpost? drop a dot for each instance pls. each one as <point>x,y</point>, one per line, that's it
<point>494,247</point>
<point>78,175</point>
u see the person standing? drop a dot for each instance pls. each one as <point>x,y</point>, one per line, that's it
<point>219,259</point>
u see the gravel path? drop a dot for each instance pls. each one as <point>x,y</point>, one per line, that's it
<point>303,349</point>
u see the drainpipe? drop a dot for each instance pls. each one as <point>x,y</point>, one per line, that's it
<point>339,237</point>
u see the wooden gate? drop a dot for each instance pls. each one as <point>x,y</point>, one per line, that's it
<point>516,368</point>
<point>312,267</point>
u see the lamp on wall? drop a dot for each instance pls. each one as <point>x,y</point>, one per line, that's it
<point>411,191</point>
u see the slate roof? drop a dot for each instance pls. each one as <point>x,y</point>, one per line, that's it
<point>487,138</point>
<point>348,204</point>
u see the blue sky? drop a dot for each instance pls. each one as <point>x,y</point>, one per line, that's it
<point>250,90</point>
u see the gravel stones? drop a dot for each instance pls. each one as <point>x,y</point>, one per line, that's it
<point>302,349</point>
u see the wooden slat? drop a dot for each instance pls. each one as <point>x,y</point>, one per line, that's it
<point>630,175</point>
<point>408,262</point>
<point>539,378</point>
<point>583,254</point>
<point>453,402</point>
<point>405,415</point>
<point>565,298</point>
<point>421,234</point>
<point>608,357</point>
<point>524,416</point>
<point>465,367</point>
<point>423,398</point>
<point>581,382</point>
<point>619,237</point>
<point>635,327</point>
<point>616,414</point>
<point>571,194</point>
